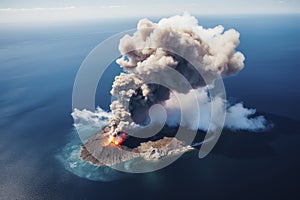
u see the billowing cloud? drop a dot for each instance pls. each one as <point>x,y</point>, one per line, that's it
<point>178,44</point>
<point>237,116</point>
<point>85,117</point>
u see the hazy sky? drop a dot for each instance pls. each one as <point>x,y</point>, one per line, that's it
<point>41,10</point>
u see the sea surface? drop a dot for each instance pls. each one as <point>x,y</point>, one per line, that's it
<point>39,145</point>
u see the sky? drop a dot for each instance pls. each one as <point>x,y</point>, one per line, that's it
<point>58,10</point>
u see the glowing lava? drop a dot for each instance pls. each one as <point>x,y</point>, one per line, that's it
<point>116,140</point>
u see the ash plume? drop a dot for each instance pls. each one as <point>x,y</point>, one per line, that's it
<point>180,43</point>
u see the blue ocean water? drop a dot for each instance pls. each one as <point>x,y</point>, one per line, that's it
<point>38,65</point>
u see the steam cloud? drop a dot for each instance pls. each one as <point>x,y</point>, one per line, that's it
<point>237,116</point>
<point>85,117</point>
<point>151,50</point>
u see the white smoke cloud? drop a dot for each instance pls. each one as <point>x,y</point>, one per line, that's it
<point>237,116</point>
<point>87,123</point>
<point>83,118</point>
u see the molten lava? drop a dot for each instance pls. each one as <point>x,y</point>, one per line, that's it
<point>116,140</point>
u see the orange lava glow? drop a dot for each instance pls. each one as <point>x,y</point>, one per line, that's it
<point>116,140</point>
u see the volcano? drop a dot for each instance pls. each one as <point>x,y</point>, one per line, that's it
<point>99,150</point>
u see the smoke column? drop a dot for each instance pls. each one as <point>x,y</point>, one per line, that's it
<point>150,51</point>
<point>144,55</point>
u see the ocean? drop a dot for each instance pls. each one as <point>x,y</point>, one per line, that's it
<point>38,66</point>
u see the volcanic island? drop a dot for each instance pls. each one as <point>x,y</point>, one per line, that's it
<point>104,150</point>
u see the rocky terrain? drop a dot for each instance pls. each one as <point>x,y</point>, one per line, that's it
<point>97,152</point>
